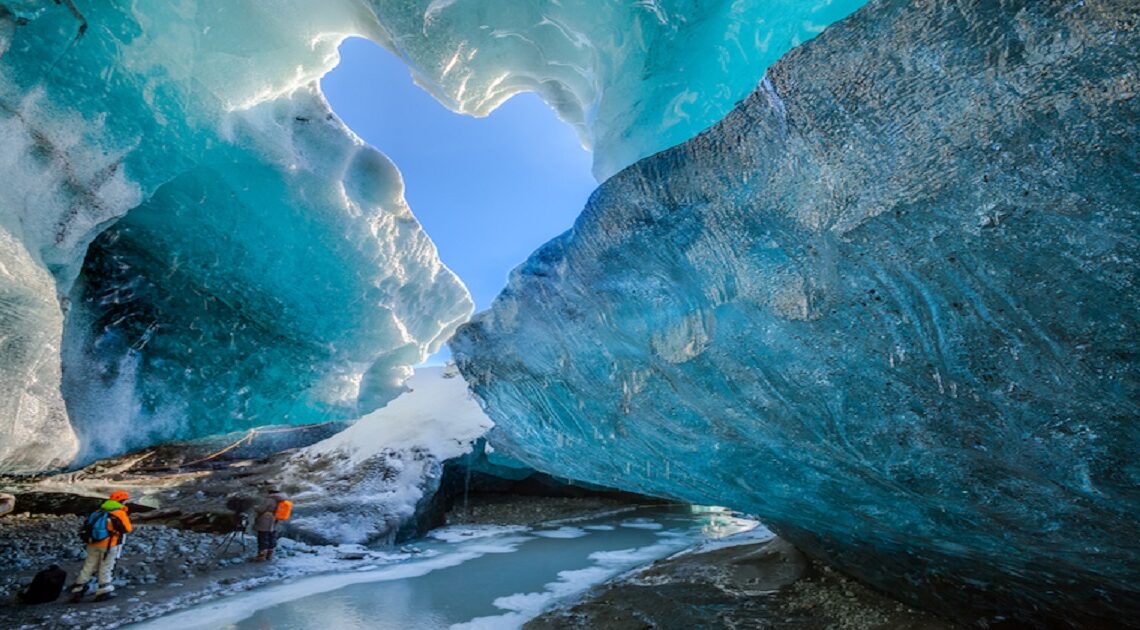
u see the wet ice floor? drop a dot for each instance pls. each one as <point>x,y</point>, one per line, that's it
<point>472,576</point>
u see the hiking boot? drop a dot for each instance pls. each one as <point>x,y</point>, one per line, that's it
<point>102,597</point>
<point>77,594</point>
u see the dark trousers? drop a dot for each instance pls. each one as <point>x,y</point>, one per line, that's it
<point>266,541</point>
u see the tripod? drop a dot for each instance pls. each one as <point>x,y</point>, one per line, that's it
<point>241,521</point>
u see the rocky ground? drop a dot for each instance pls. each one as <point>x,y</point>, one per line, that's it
<point>29,542</point>
<point>509,509</point>
<point>179,557</point>
<point>748,586</point>
<point>162,569</point>
<point>752,586</point>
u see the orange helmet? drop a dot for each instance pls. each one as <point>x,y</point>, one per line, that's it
<point>120,496</point>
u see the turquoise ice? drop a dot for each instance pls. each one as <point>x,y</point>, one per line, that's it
<point>889,304</point>
<point>194,244</point>
<point>225,252</point>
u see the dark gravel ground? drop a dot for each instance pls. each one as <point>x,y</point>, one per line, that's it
<point>509,509</point>
<point>162,568</point>
<point>752,586</point>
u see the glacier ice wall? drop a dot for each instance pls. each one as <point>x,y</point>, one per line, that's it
<point>259,292</point>
<point>227,254</point>
<point>889,304</point>
<point>36,432</point>
<point>224,253</point>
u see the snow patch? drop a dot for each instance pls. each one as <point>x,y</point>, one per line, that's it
<point>462,533</point>
<point>607,564</point>
<point>562,532</point>
<point>436,413</point>
<point>364,483</point>
<point>641,523</point>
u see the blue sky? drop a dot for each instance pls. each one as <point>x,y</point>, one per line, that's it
<point>488,191</point>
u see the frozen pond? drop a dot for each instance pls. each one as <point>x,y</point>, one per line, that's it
<point>471,576</point>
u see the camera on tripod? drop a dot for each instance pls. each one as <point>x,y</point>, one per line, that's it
<point>241,522</point>
<point>239,507</point>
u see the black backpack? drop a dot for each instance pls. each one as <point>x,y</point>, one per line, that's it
<point>46,586</point>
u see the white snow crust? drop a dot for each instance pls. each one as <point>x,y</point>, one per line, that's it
<point>365,483</point>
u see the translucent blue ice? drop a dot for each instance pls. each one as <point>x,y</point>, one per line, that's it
<point>632,77</point>
<point>889,304</point>
<point>225,253</point>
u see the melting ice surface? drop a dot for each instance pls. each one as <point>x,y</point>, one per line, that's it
<point>473,577</point>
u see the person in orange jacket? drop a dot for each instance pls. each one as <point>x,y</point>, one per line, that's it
<point>103,532</point>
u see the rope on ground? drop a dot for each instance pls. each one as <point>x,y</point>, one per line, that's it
<point>247,439</point>
<point>284,429</point>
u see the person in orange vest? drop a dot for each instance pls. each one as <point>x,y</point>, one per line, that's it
<point>275,507</point>
<point>104,532</point>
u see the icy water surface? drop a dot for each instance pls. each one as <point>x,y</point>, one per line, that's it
<point>472,576</point>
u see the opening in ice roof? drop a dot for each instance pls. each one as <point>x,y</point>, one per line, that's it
<point>488,191</point>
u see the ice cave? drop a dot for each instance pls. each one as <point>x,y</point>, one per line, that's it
<point>864,272</point>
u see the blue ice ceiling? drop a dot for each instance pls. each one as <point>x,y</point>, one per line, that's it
<point>193,243</point>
